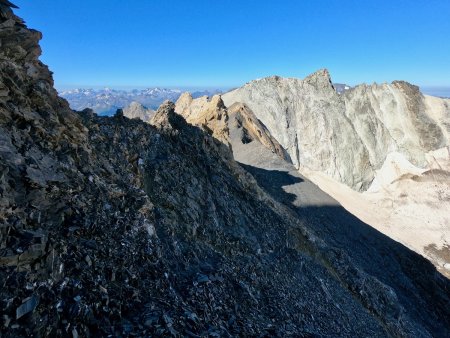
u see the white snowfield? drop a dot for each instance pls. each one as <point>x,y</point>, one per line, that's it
<point>409,204</point>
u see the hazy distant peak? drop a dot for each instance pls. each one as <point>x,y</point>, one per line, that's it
<point>186,96</point>
<point>139,111</point>
<point>135,104</point>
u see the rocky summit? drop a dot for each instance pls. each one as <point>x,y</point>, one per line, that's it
<point>347,136</point>
<point>137,111</point>
<point>111,226</point>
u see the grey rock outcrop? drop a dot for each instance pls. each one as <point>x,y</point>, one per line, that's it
<point>347,135</point>
<point>137,111</point>
<point>245,128</point>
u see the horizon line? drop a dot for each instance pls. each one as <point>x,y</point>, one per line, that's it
<point>206,87</point>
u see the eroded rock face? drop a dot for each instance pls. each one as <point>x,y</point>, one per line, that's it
<point>137,111</point>
<point>115,227</point>
<point>246,128</point>
<point>233,126</point>
<point>348,135</point>
<point>209,114</point>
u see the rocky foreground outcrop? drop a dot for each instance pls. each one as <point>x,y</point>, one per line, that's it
<point>347,136</point>
<point>115,227</point>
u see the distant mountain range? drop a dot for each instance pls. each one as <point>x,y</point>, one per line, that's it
<point>341,87</point>
<point>443,92</point>
<point>106,101</point>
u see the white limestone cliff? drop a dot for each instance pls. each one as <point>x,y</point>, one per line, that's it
<point>347,136</point>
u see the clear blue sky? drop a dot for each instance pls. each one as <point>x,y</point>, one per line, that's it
<point>226,43</point>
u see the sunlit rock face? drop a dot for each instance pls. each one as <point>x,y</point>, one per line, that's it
<point>347,136</point>
<point>235,126</point>
<point>138,111</point>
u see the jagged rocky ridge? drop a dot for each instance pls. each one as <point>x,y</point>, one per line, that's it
<point>234,126</point>
<point>347,136</point>
<point>111,226</point>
